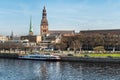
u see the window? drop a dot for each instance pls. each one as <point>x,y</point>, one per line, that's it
<point>44,30</point>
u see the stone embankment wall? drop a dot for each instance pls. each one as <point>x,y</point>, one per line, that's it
<point>9,55</point>
<point>88,59</point>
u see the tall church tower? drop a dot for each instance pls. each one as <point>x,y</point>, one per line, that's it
<point>44,24</point>
<point>12,36</point>
<point>31,28</point>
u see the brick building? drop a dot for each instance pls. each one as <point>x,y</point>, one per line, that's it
<point>52,34</point>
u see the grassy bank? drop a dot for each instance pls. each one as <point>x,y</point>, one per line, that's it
<point>102,55</point>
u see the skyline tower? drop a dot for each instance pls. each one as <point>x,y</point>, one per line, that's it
<point>12,35</point>
<point>44,24</point>
<point>31,28</point>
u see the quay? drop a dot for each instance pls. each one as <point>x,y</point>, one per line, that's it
<point>9,55</point>
<point>90,59</point>
<point>68,58</point>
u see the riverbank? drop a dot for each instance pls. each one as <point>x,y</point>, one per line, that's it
<point>9,55</point>
<point>91,59</point>
<point>70,58</point>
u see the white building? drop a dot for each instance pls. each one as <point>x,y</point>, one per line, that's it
<point>3,38</point>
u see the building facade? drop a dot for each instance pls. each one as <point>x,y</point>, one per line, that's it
<point>3,38</point>
<point>33,38</point>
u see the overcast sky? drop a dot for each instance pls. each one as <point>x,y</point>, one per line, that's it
<point>61,14</point>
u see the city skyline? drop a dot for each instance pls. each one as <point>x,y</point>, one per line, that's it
<point>61,14</point>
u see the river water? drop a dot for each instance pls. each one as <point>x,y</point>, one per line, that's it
<point>42,70</point>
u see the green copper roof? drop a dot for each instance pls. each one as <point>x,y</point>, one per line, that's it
<point>31,28</point>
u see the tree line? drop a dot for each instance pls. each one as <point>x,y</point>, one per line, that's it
<point>90,41</point>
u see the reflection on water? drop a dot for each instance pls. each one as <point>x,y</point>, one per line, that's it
<point>41,70</point>
<point>101,71</point>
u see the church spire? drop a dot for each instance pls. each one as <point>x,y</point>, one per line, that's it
<point>44,13</point>
<point>30,29</point>
<point>11,36</point>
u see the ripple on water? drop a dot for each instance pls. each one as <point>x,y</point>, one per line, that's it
<point>41,70</point>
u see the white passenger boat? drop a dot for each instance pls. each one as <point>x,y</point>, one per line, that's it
<point>40,57</point>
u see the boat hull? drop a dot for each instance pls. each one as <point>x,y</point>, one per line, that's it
<point>47,58</point>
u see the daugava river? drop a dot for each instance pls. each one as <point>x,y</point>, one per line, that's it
<point>42,70</point>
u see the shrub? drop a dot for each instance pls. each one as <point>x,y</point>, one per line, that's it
<point>86,56</point>
<point>70,54</point>
<point>99,48</point>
